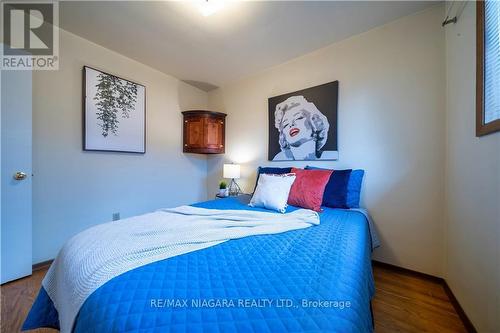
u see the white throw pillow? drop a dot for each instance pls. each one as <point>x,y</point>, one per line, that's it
<point>272,191</point>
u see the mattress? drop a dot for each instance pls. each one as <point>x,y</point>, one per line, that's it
<point>317,279</point>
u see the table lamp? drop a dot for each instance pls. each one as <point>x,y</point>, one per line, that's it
<point>232,171</point>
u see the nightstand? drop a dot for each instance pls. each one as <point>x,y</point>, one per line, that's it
<point>218,196</point>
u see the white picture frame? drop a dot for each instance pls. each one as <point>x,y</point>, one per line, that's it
<point>114,113</point>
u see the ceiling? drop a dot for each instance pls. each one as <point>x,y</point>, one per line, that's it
<point>240,40</point>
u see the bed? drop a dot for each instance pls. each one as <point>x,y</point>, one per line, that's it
<point>317,279</point>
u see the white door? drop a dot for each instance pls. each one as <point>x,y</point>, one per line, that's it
<point>15,209</point>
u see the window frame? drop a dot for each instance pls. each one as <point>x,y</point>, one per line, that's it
<point>481,127</point>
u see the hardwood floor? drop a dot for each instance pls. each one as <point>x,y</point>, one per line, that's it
<point>16,300</point>
<point>403,303</point>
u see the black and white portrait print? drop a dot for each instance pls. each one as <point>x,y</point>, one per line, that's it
<point>303,124</point>
<point>114,113</point>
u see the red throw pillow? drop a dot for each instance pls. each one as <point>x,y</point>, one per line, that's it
<point>308,188</point>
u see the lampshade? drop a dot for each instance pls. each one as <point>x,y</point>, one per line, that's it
<point>231,171</point>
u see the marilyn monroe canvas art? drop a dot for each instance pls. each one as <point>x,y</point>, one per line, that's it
<point>303,124</point>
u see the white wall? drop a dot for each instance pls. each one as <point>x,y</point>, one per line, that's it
<point>473,186</point>
<point>391,123</point>
<point>73,189</point>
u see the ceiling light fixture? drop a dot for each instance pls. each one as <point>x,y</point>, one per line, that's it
<point>209,7</point>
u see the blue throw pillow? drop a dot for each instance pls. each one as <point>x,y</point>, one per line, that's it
<point>352,191</point>
<point>273,170</point>
<point>335,194</point>
<point>354,188</point>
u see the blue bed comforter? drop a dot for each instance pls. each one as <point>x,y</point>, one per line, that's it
<point>317,279</point>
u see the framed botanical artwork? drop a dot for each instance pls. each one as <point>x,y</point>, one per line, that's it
<point>303,124</point>
<point>114,113</point>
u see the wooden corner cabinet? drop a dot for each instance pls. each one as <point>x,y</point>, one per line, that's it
<point>204,132</point>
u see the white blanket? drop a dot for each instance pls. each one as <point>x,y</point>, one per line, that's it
<point>96,255</point>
